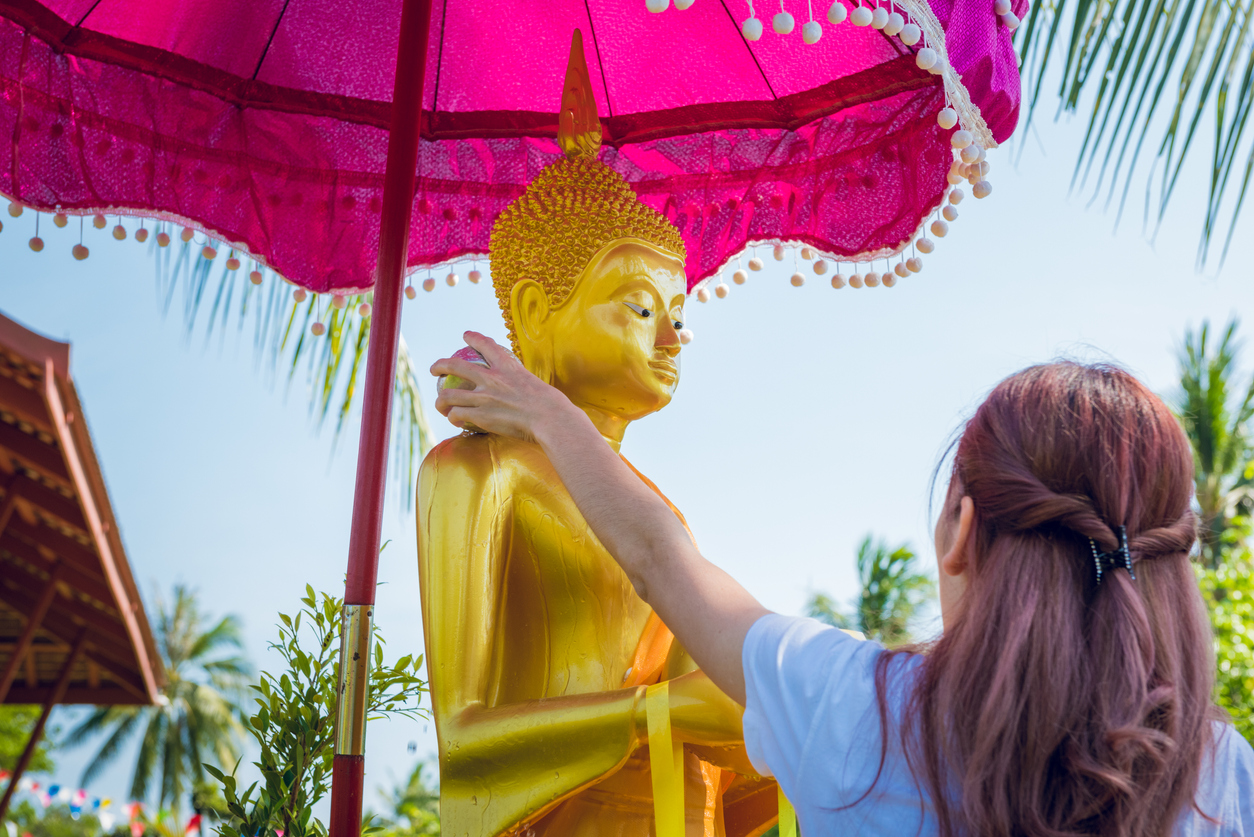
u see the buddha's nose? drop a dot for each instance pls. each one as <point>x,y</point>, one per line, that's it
<point>667,341</point>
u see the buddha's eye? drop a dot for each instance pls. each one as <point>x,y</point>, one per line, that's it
<point>639,309</point>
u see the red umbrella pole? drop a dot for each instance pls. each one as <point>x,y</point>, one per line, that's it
<point>376,419</point>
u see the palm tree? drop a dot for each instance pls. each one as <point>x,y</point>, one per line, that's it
<point>198,718</point>
<point>1164,66</point>
<point>414,808</point>
<point>1216,410</point>
<point>892,590</point>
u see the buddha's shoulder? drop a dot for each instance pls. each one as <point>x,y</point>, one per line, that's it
<point>504,461</point>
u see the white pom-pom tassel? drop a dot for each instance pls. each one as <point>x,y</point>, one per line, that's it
<point>797,280</point>
<point>685,336</point>
<point>778,252</point>
<point>1011,20</point>
<point>1001,7</point>
<point>925,245</point>
<point>364,309</point>
<point>410,292</point>
<point>318,329</point>
<point>683,5</point>
<point>755,263</point>
<point>163,239</point>
<point>982,189</point>
<point>872,280</point>
<point>837,13</point>
<point>60,219</point>
<point>820,267</point>
<point>15,209</point>
<point>895,24</point>
<point>879,18</point>
<point>783,23</point>
<point>811,32</point>
<point>901,270</point>
<point>926,58</point>
<point>914,264</point>
<point>428,284</point>
<point>740,277</point>
<point>889,280</point>
<point>807,254</point>
<point>141,235</point>
<point>119,232</point>
<point>970,153</point>
<point>956,196</point>
<point>300,295</point>
<point>474,276</point>
<point>255,277</point>
<point>947,118</point>
<point>939,228</point>
<point>855,281</point>
<point>838,282</point>
<point>656,6</point>
<point>98,221</point>
<point>954,178</point>
<point>751,29</point>
<point>861,16</point>
<point>950,213</point>
<point>208,253</point>
<point>703,295</point>
<point>910,34</point>
<point>451,280</point>
<point>721,290</point>
<point>185,236</point>
<point>338,300</point>
<point>960,139</point>
<point>233,264</point>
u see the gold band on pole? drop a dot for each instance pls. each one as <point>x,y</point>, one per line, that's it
<point>356,635</point>
<point>666,763</point>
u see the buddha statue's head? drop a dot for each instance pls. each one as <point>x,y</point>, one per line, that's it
<point>590,280</point>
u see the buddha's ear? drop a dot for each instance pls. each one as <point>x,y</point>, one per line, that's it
<point>529,307</point>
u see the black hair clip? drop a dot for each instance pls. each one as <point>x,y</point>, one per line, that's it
<point>1106,561</point>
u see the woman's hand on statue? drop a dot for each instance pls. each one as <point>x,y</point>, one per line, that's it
<point>507,399</point>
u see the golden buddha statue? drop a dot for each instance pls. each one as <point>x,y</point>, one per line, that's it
<point>549,676</point>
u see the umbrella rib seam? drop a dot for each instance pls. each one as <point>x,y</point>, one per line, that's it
<point>439,62</point>
<point>274,31</point>
<point>761,72</point>
<point>86,14</point>
<point>605,85</point>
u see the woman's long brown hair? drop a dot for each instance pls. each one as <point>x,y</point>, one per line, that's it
<point>1053,705</point>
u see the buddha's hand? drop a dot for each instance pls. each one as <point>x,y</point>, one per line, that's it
<point>506,399</point>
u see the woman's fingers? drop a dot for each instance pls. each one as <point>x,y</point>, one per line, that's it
<point>493,352</point>
<point>460,367</point>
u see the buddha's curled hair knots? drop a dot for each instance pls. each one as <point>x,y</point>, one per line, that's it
<point>570,211</point>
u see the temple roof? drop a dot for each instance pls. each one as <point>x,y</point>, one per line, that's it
<point>56,519</point>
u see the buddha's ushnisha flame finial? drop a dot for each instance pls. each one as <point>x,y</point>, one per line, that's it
<point>578,128</point>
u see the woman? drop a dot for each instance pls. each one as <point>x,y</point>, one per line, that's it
<point>1070,692</point>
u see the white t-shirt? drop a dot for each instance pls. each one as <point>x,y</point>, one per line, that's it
<point>812,721</point>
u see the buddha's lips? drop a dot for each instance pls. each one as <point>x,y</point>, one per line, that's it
<point>665,369</point>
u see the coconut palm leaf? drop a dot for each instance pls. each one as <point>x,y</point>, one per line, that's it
<point>331,364</point>
<point>1216,411</point>
<point>199,716</point>
<point>1163,67</point>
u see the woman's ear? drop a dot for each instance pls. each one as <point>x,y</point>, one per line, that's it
<point>529,308</point>
<point>958,558</point>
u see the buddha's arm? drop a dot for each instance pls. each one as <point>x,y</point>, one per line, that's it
<point>499,764</point>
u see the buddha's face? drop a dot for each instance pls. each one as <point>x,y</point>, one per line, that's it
<point>613,344</point>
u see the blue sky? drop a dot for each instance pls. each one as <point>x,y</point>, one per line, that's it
<point>806,418</point>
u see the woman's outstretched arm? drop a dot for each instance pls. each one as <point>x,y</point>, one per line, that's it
<point>708,611</point>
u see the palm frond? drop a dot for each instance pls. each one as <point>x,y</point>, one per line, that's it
<point>1165,66</point>
<point>126,718</point>
<point>331,364</point>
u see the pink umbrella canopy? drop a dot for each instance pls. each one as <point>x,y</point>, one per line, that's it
<point>265,123</point>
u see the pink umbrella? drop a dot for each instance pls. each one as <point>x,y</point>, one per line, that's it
<point>308,135</point>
